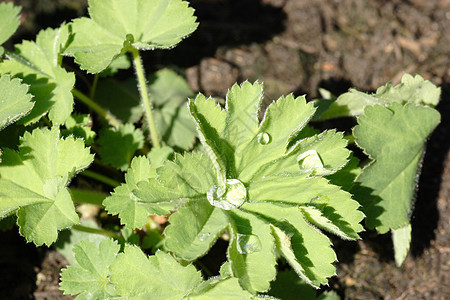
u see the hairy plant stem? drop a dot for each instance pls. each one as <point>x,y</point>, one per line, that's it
<point>97,231</point>
<point>94,86</point>
<point>97,108</point>
<point>144,96</point>
<point>100,177</point>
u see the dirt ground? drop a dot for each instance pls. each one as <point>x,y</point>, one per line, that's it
<point>298,46</point>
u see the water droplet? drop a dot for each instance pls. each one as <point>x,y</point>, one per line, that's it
<point>310,161</point>
<point>204,236</point>
<point>248,243</point>
<point>231,196</point>
<point>264,138</point>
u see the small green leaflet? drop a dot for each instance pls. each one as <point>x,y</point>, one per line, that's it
<point>117,145</point>
<point>250,177</point>
<point>101,272</point>
<point>9,14</point>
<point>38,64</point>
<point>117,25</point>
<point>412,89</point>
<point>401,238</point>
<point>169,93</point>
<point>79,125</point>
<point>394,138</point>
<point>14,100</point>
<point>33,183</point>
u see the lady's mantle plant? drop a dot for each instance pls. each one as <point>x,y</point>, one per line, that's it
<point>265,186</point>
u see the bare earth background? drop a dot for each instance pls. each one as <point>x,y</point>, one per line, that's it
<point>297,46</point>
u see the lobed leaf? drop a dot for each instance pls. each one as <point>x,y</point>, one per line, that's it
<point>89,276</point>
<point>411,89</point>
<point>394,138</point>
<point>33,183</point>
<point>116,25</point>
<point>250,183</point>
<point>156,277</point>
<point>132,211</point>
<point>118,145</point>
<point>38,64</point>
<point>9,14</point>
<point>14,100</point>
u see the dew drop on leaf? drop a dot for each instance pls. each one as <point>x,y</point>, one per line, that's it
<point>231,196</point>
<point>264,138</point>
<point>248,243</point>
<point>310,161</point>
<point>203,236</point>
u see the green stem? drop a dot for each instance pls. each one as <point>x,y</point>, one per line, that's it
<point>98,109</point>
<point>100,178</point>
<point>94,86</point>
<point>144,96</point>
<point>97,231</point>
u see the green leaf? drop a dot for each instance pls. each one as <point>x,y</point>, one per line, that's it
<point>394,138</point>
<point>159,155</point>
<point>9,14</point>
<point>194,229</point>
<point>118,145</point>
<point>251,251</point>
<point>122,62</point>
<point>169,93</point>
<point>224,288</point>
<point>89,277</point>
<point>132,211</point>
<point>156,277</point>
<point>121,98</point>
<point>401,239</point>
<point>80,126</point>
<point>38,64</point>
<point>33,183</point>
<point>304,247</point>
<point>288,286</point>
<point>273,178</point>
<point>68,238</point>
<point>14,100</point>
<point>116,25</point>
<point>412,89</point>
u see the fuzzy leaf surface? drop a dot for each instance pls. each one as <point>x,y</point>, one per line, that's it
<point>89,276</point>
<point>132,211</point>
<point>394,138</point>
<point>194,229</point>
<point>246,181</point>
<point>157,277</point>
<point>38,64</point>
<point>9,14</point>
<point>401,239</point>
<point>411,89</point>
<point>101,272</point>
<point>117,145</point>
<point>33,182</point>
<point>15,102</point>
<point>100,39</point>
